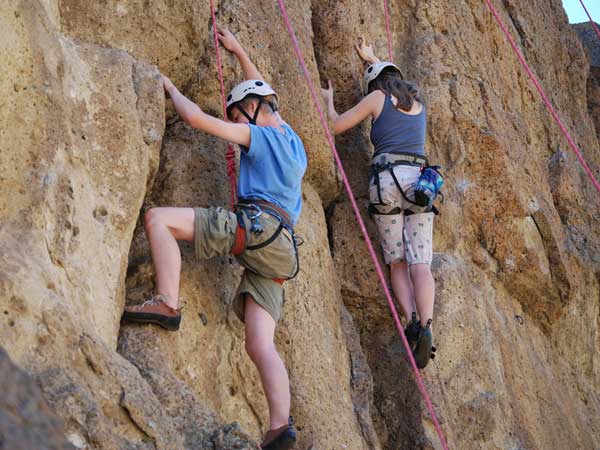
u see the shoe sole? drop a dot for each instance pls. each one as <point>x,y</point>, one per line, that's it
<point>168,323</point>
<point>412,345</point>
<point>412,339</point>
<point>423,349</point>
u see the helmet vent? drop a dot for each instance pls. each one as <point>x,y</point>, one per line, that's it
<point>259,83</point>
<point>370,69</point>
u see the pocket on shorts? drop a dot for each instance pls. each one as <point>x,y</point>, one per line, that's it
<point>214,232</point>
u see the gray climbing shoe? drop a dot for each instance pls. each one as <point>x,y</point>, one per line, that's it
<point>424,350</point>
<point>283,438</point>
<point>412,331</point>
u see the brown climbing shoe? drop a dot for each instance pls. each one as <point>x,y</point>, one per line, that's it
<point>282,438</point>
<point>155,311</point>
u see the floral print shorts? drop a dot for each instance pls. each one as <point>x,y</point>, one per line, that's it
<point>403,236</point>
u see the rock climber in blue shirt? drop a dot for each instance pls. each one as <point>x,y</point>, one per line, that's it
<point>259,232</point>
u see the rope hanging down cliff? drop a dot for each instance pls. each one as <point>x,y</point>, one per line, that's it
<point>230,153</point>
<point>361,224</point>
<point>591,21</point>
<point>387,29</point>
<point>544,97</point>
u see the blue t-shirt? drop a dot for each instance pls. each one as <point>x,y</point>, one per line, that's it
<point>272,168</point>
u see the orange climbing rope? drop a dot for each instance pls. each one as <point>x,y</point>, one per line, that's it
<point>230,153</point>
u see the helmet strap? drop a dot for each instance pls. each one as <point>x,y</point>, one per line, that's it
<point>260,102</point>
<point>246,115</point>
<point>251,119</point>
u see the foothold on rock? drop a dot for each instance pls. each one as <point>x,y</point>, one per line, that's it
<point>203,319</point>
<point>520,319</point>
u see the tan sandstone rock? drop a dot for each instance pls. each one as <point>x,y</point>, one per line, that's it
<point>516,233</point>
<point>82,133</point>
<point>208,353</point>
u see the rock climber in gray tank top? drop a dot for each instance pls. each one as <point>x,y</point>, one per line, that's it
<point>405,230</point>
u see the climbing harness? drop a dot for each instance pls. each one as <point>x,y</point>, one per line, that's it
<point>252,209</point>
<point>426,189</point>
<point>382,280</point>
<point>543,95</point>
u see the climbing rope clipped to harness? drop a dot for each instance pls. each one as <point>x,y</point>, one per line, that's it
<point>361,224</point>
<point>230,152</point>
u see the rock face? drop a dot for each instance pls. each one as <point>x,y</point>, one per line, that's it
<point>517,257</point>
<point>85,151</point>
<point>591,43</point>
<point>26,421</point>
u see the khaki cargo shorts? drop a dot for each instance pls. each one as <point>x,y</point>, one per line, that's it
<point>403,237</point>
<point>214,235</point>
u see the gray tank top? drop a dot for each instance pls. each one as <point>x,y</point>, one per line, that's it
<point>396,132</point>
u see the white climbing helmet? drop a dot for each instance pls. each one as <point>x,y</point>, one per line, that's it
<point>374,70</point>
<point>245,88</point>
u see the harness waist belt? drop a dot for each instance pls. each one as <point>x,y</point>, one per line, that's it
<point>269,208</point>
<point>398,158</point>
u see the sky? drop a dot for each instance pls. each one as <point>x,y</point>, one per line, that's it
<point>576,12</point>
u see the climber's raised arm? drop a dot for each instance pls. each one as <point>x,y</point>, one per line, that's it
<point>366,52</point>
<point>368,106</point>
<point>193,115</point>
<point>229,41</point>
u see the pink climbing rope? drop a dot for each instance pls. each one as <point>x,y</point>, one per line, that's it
<point>544,97</point>
<point>387,29</point>
<point>230,153</point>
<point>361,224</point>
<point>591,21</point>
